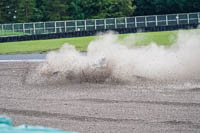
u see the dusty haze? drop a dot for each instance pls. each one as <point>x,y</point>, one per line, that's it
<point>127,62</point>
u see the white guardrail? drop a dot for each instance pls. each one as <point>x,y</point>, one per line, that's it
<point>98,24</point>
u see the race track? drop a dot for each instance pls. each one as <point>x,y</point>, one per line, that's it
<point>97,108</point>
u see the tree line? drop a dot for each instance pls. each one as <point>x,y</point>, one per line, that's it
<point>13,11</point>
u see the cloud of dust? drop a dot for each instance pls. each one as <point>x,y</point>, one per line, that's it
<point>111,58</point>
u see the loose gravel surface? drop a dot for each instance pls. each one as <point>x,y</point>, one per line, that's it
<point>97,108</point>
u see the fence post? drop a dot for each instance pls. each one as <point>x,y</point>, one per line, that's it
<point>104,23</point>
<point>75,25</point>
<point>167,22</point>
<point>95,24</point>
<point>44,28</point>
<point>65,26</point>
<point>13,29</point>
<point>177,19</point>
<point>145,20</point>
<point>135,22</point>
<point>125,22</point>
<point>55,26</point>
<point>85,26</point>
<point>115,23</point>
<point>2,28</point>
<point>33,28</point>
<point>156,20</point>
<point>188,19</point>
<point>23,28</point>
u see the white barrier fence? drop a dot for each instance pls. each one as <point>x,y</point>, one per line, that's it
<point>98,24</point>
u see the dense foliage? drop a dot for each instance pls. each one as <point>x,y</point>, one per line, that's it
<point>12,11</point>
<point>149,7</point>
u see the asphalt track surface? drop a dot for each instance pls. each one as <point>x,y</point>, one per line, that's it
<point>22,57</point>
<point>96,108</point>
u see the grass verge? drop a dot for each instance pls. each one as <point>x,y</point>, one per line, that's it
<point>81,43</point>
<point>10,33</point>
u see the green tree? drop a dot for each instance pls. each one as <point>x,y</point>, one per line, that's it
<point>38,11</point>
<point>51,10</point>
<point>150,7</point>
<point>8,10</point>
<point>106,8</point>
<point>192,6</point>
<point>160,7</point>
<point>55,10</point>
<point>2,19</point>
<point>144,7</point>
<point>76,10</point>
<point>25,9</point>
<point>176,6</point>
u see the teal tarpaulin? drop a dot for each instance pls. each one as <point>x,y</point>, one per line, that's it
<point>6,126</point>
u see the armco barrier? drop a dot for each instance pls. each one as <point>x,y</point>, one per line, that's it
<point>94,32</point>
<point>34,28</point>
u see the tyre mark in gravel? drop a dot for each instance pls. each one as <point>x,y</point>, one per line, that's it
<point>192,90</point>
<point>143,102</point>
<point>43,114</point>
<point>8,69</point>
<point>188,123</point>
<point>35,99</point>
<point>104,101</point>
<point>25,73</point>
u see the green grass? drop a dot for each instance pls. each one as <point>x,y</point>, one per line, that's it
<point>161,38</point>
<point>10,33</point>
<point>81,43</point>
